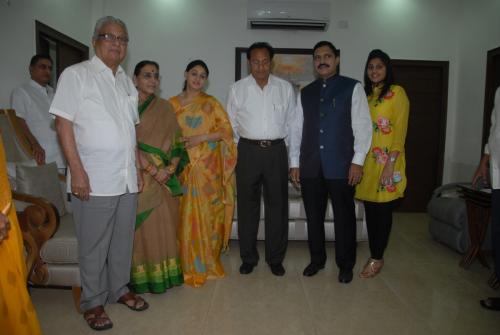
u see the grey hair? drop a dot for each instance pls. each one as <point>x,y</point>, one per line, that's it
<point>106,20</point>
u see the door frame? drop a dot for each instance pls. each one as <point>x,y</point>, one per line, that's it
<point>42,29</point>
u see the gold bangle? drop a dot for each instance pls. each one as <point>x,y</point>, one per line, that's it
<point>171,169</point>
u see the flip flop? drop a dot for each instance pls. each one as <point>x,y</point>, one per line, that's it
<point>97,318</point>
<point>491,304</point>
<point>133,301</point>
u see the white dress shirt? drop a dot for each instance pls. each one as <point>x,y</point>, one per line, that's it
<point>361,123</point>
<point>493,146</point>
<point>262,113</point>
<point>103,110</point>
<point>31,101</point>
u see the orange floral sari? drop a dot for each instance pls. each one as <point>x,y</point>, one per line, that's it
<point>206,209</point>
<point>17,314</point>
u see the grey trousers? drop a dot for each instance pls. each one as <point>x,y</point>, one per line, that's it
<point>105,233</point>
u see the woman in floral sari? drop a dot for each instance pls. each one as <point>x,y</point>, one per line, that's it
<point>384,179</point>
<point>208,201</point>
<point>17,314</point>
<point>155,263</point>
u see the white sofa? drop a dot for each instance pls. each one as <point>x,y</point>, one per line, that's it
<point>297,229</point>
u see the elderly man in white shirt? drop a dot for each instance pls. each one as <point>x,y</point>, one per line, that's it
<point>31,101</point>
<point>96,112</point>
<point>261,108</point>
<point>489,169</point>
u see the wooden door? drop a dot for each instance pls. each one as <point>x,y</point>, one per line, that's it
<point>426,83</point>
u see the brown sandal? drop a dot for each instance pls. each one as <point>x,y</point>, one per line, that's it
<point>372,268</point>
<point>97,318</point>
<point>133,301</point>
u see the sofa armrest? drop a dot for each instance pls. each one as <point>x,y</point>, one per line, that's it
<point>38,222</point>
<point>447,187</point>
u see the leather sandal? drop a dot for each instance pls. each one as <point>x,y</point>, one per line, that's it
<point>97,318</point>
<point>133,301</point>
<point>372,268</point>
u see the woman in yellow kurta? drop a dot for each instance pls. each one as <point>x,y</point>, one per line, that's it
<point>17,314</point>
<point>384,179</point>
<point>206,209</point>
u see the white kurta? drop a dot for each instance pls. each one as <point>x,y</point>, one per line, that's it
<point>31,101</point>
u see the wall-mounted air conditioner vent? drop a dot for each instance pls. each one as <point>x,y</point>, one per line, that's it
<point>288,15</point>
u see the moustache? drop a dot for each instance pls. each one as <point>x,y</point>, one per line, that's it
<point>320,66</point>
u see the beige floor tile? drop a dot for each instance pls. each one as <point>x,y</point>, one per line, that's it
<point>421,290</point>
<point>257,305</point>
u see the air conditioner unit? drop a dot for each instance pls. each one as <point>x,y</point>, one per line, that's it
<point>288,15</point>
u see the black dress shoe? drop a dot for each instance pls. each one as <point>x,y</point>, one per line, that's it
<point>492,304</point>
<point>246,268</point>
<point>312,269</point>
<point>345,276</point>
<point>277,269</point>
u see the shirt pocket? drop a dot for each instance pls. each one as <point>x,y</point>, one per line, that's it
<point>279,112</point>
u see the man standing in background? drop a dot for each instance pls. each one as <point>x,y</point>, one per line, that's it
<point>31,101</point>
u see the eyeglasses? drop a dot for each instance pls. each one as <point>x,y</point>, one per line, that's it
<point>150,75</point>
<point>113,38</point>
<point>264,62</point>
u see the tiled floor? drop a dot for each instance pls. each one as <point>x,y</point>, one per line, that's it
<point>421,290</point>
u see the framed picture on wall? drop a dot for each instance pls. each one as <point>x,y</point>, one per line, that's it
<point>294,65</point>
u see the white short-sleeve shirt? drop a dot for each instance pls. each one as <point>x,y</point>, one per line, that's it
<point>31,101</point>
<point>103,110</point>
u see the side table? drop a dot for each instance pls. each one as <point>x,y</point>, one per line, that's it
<point>479,216</point>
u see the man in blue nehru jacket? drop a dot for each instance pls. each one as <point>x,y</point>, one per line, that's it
<point>336,133</point>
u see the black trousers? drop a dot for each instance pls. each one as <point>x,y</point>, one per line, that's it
<point>378,223</point>
<point>495,229</point>
<point>315,192</point>
<point>260,169</point>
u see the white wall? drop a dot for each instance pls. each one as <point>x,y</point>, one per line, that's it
<point>479,28</point>
<point>17,34</point>
<point>173,32</point>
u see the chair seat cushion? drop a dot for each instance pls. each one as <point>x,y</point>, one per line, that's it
<point>62,248</point>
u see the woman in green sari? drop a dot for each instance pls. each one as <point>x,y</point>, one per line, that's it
<point>155,262</point>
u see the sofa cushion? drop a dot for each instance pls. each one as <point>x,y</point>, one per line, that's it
<point>41,181</point>
<point>451,211</point>
<point>62,248</point>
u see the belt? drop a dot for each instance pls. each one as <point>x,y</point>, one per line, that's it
<point>262,143</point>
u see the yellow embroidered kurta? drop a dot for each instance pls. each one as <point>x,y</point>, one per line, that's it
<point>17,314</point>
<point>206,208</point>
<point>390,123</point>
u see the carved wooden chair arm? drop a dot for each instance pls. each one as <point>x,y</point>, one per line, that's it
<point>39,222</point>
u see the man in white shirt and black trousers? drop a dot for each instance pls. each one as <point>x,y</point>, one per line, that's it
<point>335,127</point>
<point>261,108</point>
